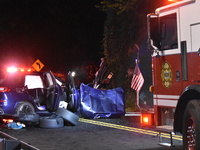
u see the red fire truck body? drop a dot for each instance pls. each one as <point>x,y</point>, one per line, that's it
<point>174,39</point>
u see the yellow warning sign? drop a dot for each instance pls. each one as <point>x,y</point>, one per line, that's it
<point>37,65</point>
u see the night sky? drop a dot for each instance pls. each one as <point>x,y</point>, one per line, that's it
<point>61,33</point>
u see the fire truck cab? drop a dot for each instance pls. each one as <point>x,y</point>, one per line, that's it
<point>174,40</point>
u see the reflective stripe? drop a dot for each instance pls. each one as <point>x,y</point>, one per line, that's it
<point>166,96</point>
<point>166,100</point>
<point>171,103</point>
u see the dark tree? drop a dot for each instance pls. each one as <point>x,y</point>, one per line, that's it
<point>125,27</point>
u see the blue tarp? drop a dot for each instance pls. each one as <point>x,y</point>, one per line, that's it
<point>96,103</point>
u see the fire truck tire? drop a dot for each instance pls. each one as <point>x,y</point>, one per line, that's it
<point>51,122</point>
<point>191,128</point>
<point>24,108</point>
<point>67,115</point>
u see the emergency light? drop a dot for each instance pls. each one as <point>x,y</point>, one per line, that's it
<point>15,69</point>
<point>11,69</point>
<point>174,1</point>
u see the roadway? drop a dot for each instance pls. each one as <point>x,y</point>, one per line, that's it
<point>96,134</point>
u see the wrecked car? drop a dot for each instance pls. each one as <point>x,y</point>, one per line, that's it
<point>24,94</point>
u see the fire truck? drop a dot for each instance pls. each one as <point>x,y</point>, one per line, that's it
<point>174,40</point>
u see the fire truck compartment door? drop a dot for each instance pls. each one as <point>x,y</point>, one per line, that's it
<point>195,48</point>
<point>195,37</point>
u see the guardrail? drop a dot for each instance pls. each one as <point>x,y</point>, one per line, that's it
<point>8,142</point>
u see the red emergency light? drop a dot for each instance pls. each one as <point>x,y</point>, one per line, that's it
<point>174,1</point>
<point>22,70</point>
<point>15,69</point>
<point>146,119</point>
<point>11,69</point>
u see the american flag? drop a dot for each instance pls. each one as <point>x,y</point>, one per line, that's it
<point>137,80</point>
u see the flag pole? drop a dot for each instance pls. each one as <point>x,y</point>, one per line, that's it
<point>137,79</point>
<point>138,91</point>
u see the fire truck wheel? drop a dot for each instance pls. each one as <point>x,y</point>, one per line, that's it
<point>191,130</point>
<point>67,115</point>
<point>25,108</point>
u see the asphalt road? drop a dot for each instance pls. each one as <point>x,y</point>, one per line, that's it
<point>89,134</point>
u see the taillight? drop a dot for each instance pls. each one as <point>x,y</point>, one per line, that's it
<point>7,120</point>
<point>146,119</point>
<point>4,89</point>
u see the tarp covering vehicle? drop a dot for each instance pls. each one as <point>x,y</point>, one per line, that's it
<point>96,103</point>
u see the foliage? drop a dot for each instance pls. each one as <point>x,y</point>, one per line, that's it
<point>118,5</point>
<point>126,21</point>
<point>120,32</point>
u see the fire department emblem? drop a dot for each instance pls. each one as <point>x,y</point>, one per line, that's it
<point>166,75</point>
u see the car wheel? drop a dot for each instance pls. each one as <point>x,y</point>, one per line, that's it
<point>191,130</point>
<point>67,116</point>
<point>24,108</point>
<point>51,122</point>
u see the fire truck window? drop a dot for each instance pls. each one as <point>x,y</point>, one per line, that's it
<point>168,32</point>
<point>154,32</point>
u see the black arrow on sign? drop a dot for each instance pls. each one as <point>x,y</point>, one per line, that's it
<point>38,65</point>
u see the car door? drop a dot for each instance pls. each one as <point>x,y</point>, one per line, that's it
<point>52,99</point>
